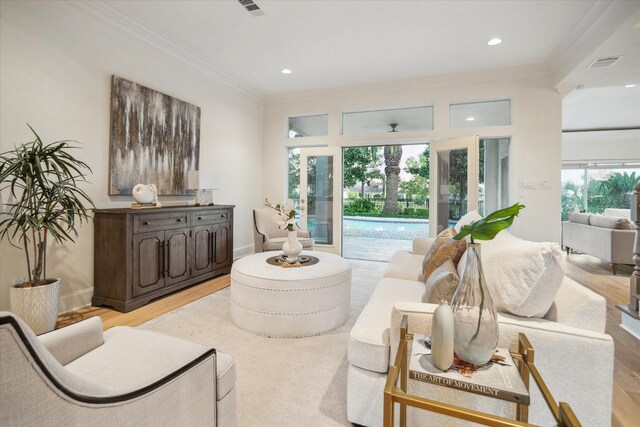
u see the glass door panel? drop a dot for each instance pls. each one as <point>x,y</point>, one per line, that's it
<point>320,196</point>
<point>454,190</point>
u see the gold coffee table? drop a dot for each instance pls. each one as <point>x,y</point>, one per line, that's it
<point>396,391</point>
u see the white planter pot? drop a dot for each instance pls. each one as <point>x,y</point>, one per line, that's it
<point>38,306</point>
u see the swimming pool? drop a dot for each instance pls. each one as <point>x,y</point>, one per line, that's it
<point>384,228</point>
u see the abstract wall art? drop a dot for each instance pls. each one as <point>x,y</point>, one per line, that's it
<point>155,139</point>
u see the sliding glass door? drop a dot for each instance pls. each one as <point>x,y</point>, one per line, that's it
<point>453,185</point>
<point>320,190</point>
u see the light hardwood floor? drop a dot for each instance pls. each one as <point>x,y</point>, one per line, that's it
<point>596,275</point>
<point>587,270</point>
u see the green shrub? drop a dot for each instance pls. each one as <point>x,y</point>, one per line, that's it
<point>359,206</point>
<point>422,212</point>
<point>410,211</point>
<point>353,195</point>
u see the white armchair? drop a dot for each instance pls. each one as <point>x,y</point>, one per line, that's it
<point>268,237</point>
<point>79,376</point>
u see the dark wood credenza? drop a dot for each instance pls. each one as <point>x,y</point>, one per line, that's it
<point>142,254</point>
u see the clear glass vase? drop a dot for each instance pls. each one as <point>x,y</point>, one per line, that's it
<point>474,314</point>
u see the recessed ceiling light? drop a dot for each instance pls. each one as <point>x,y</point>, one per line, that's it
<point>286,71</point>
<point>631,85</point>
<point>470,119</point>
<point>494,41</point>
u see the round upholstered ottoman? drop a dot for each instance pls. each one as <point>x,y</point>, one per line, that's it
<point>273,301</point>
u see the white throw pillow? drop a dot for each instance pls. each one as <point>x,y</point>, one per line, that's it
<point>468,218</point>
<point>612,222</point>
<point>624,213</point>
<point>523,277</point>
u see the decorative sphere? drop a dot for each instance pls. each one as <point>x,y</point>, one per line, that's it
<point>143,193</point>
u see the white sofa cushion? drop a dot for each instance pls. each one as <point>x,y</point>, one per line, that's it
<point>121,371</point>
<point>369,337</point>
<point>620,213</point>
<point>405,265</point>
<point>523,276</point>
<point>579,217</point>
<point>615,223</point>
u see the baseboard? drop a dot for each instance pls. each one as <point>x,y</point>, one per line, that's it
<point>75,300</point>
<point>630,324</point>
<point>242,251</point>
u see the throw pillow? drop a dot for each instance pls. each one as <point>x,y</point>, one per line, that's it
<point>443,248</point>
<point>523,277</point>
<point>442,284</point>
<point>611,222</point>
<point>580,218</point>
<point>620,213</point>
<point>467,219</point>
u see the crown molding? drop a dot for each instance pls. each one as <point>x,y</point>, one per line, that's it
<point>601,15</point>
<point>484,76</point>
<point>106,13</point>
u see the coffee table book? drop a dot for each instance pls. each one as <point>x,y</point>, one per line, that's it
<point>497,380</point>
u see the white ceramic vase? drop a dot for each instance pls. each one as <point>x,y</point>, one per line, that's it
<point>38,306</point>
<point>442,337</point>
<point>143,193</point>
<point>292,247</point>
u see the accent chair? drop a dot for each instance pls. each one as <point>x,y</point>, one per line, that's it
<point>267,236</point>
<point>127,376</point>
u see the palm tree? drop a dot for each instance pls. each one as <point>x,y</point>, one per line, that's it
<point>392,157</point>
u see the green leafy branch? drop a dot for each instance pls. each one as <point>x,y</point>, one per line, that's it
<point>487,228</point>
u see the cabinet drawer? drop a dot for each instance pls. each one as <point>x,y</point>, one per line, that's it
<point>210,217</point>
<point>144,223</point>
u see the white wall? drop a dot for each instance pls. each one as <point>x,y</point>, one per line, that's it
<point>56,63</point>
<point>622,145</point>
<point>535,131</point>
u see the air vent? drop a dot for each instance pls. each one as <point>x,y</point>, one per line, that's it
<point>604,62</point>
<point>251,7</point>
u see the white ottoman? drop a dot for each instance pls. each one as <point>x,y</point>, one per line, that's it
<point>290,302</point>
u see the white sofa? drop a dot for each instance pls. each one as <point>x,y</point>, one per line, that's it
<point>572,352</point>
<point>608,237</point>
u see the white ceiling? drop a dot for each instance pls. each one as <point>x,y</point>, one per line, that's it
<point>600,108</point>
<point>340,43</point>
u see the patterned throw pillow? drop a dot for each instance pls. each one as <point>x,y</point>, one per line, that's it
<point>442,284</point>
<point>443,248</point>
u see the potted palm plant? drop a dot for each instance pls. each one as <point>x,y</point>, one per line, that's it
<point>45,202</point>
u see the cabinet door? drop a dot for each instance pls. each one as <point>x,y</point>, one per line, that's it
<point>177,255</point>
<point>148,262</point>
<point>222,249</point>
<point>202,250</point>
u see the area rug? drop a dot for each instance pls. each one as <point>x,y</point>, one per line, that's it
<point>280,381</point>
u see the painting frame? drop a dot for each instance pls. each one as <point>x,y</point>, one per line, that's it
<point>154,139</point>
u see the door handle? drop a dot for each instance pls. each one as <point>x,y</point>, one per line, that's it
<point>210,248</point>
<point>160,258</point>
<point>179,220</point>
<point>166,258</point>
